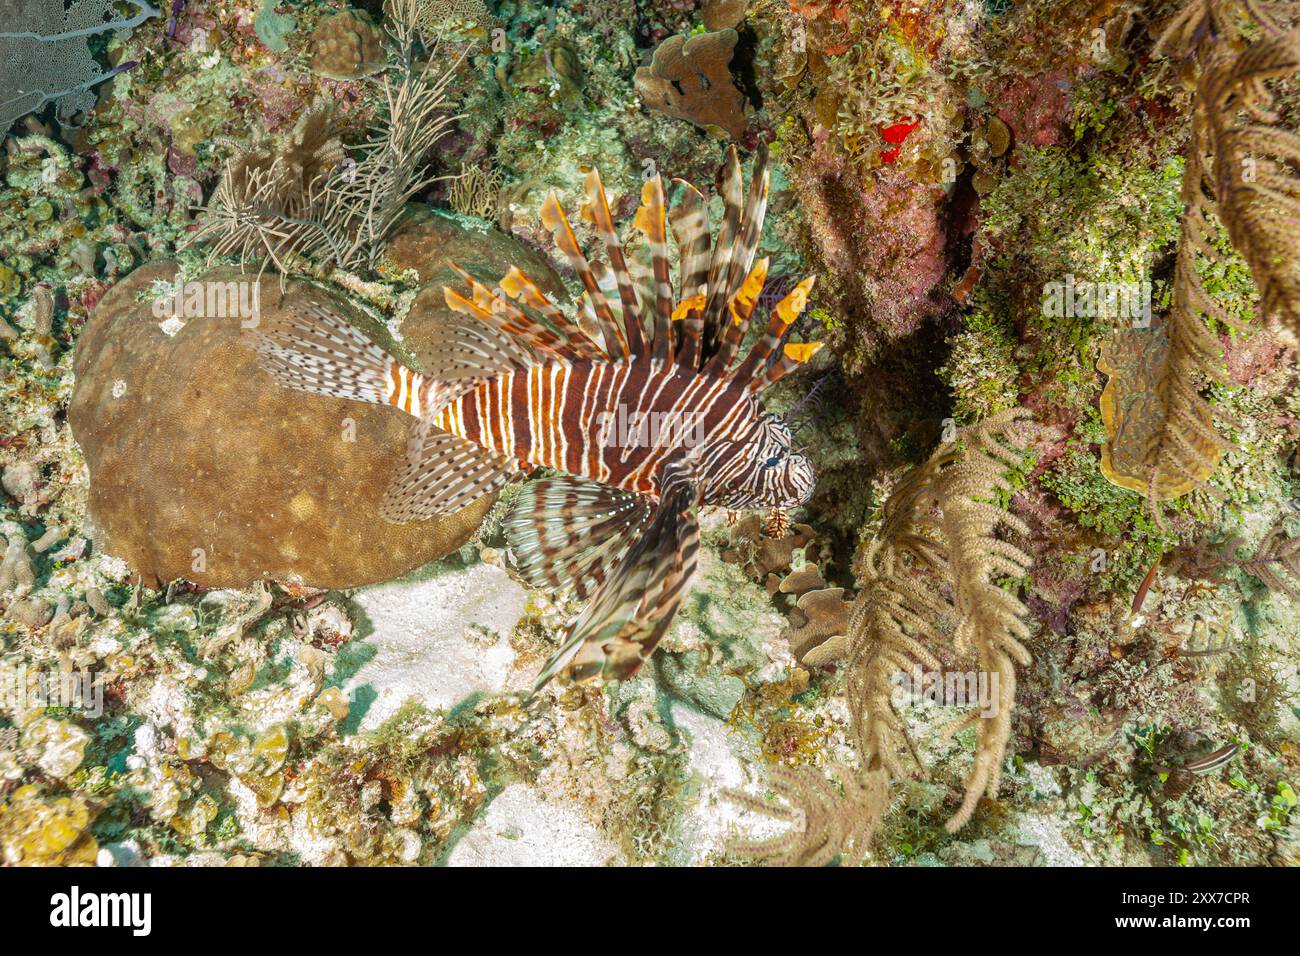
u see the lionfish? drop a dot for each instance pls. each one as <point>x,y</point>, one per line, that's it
<point>519,384</point>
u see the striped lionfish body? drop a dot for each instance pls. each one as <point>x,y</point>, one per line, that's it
<point>618,423</point>
<point>650,416</point>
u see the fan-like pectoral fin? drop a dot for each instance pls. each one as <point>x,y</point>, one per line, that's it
<point>631,610</point>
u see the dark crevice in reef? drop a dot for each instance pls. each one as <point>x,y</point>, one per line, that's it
<point>742,67</point>
<point>959,211</point>
<point>902,403</point>
<point>373,7</point>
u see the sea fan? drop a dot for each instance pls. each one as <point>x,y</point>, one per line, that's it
<point>44,55</point>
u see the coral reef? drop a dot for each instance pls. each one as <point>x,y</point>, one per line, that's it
<point>980,643</point>
<point>688,78</point>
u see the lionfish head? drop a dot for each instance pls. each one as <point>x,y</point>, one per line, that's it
<point>767,472</point>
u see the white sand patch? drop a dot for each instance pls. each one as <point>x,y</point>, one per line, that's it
<point>437,640</point>
<point>1047,834</point>
<point>522,829</point>
<point>713,820</point>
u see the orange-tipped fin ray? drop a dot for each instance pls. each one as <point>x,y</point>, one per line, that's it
<point>739,310</point>
<point>783,316</point>
<point>557,223</point>
<point>521,288</point>
<point>651,220</point>
<point>595,211</point>
<point>751,228</point>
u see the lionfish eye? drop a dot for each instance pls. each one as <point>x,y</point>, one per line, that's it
<point>772,462</point>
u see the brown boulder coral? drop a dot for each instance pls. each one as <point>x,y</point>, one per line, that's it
<point>429,242</point>
<point>347,45</point>
<point>202,468</point>
<point>555,69</point>
<point>722,14</point>
<point>688,78</point>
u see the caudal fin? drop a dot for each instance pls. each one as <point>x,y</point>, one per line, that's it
<point>314,350</point>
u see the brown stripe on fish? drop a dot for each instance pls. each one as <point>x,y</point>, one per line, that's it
<point>555,220</point>
<point>1213,761</point>
<point>596,212</point>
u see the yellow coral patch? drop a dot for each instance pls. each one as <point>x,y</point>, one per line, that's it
<point>1135,363</point>
<point>302,506</point>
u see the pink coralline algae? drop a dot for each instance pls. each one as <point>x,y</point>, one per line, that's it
<point>884,238</point>
<point>1250,358</point>
<point>180,163</point>
<point>1034,107</point>
<point>905,257</point>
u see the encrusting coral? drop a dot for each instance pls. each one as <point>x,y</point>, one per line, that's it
<point>819,617</point>
<point>818,627</point>
<point>554,69</point>
<point>347,45</point>
<point>16,568</point>
<point>689,78</point>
